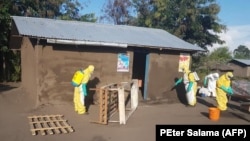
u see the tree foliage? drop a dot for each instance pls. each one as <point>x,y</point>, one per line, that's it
<point>47,8</point>
<point>203,62</point>
<point>117,12</point>
<point>221,54</point>
<point>194,21</point>
<point>88,18</point>
<point>4,24</point>
<point>242,52</point>
<point>143,10</point>
<point>55,9</point>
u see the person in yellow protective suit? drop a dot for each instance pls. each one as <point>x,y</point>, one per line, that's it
<point>190,86</point>
<point>81,91</point>
<point>223,87</point>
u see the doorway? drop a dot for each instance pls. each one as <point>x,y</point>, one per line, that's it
<point>140,70</point>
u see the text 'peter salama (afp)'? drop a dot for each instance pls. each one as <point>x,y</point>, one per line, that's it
<point>222,132</point>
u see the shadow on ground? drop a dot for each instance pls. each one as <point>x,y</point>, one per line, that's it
<point>205,102</point>
<point>8,86</point>
<point>234,109</point>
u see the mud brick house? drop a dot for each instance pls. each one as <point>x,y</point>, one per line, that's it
<point>52,50</point>
<point>221,68</point>
<point>241,67</point>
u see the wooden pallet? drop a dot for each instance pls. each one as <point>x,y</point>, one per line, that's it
<point>49,124</point>
<point>108,105</point>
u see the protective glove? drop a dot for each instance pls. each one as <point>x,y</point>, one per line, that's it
<point>224,88</point>
<point>84,89</point>
<point>230,91</point>
<point>190,85</point>
<point>178,82</point>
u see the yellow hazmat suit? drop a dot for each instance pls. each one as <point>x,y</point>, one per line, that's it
<point>81,91</point>
<point>191,88</point>
<point>190,85</point>
<point>223,87</point>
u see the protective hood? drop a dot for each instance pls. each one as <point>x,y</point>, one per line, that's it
<point>90,69</point>
<point>229,75</point>
<point>215,76</point>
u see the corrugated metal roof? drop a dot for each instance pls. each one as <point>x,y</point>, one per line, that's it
<point>243,61</point>
<point>96,32</point>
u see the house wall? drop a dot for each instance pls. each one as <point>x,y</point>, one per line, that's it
<point>163,75</point>
<point>28,63</point>
<point>16,40</point>
<point>57,63</point>
<point>248,71</point>
<point>47,70</point>
<point>239,69</point>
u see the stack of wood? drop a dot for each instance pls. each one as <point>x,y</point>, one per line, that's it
<point>241,89</point>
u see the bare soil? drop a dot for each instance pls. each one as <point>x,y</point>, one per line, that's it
<point>16,106</point>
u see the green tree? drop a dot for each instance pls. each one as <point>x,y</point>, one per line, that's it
<point>143,11</point>
<point>202,61</point>
<point>68,9</point>
<point>242,52</point>
<point>4,35</point>
<point>194,21</point>
<point>88,18</point>
<point>118,12</point>
<point>60,9</point>
<point>219,55</point>
<point>4,24</point>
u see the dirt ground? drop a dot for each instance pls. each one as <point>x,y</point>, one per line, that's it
<point>15,107</point>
